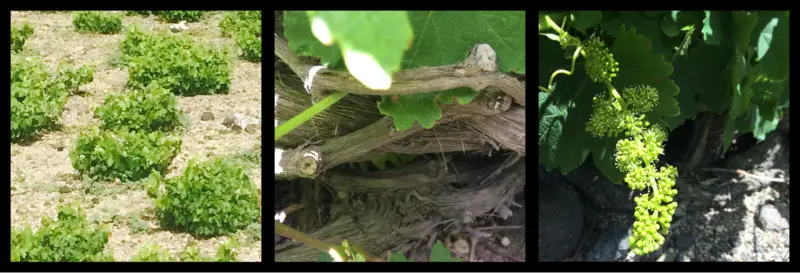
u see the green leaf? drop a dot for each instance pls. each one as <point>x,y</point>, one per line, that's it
<point>297,28</point>
<point>563,140</point>
<point>648,28</point>
<point>407,109</point>
<point>603,154</point>
<point>586,19</point>
<point>773,47</point>
<point>396,257</point>
<point>637,65</point>
<point>669,27</point>
<point>712,27</point>
<point>440,253</point>
<point>763,126</point>
<point>372,42</point>
<point>462,95</point>
<point>445,37</point>
<point>743,24</point>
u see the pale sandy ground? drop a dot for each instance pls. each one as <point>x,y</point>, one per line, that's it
<point>42,177</point>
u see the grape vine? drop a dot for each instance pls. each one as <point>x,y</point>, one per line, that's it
<point>625,129</point>
<point>637,153</point>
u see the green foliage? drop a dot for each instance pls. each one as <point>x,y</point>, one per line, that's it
<point>192,254</point>
<point>429,45</point>
<point>722,72</point>
<point>241,21</point>
<point>214,197</point>
<point>151,109</point>
<point>227,251</point>
<point>177,63</point>
<point>138,12</point>
<point>174,16</point>
<point>152,253</point>
<point>19,35</point>
<point>37,98</point>
<point>68,238</point>
<point>127,155</point>
<point>97,21</point>
<point>171,16</point>
<point>245,27</point>
<point>434,46</point>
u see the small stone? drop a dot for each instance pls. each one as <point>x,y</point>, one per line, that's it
<point>228,121</point>
<point>206,116</point>
<point>58,145</point>
<point>770,218</point>
<point>505,241</point>
<point>461,246</point>
<point>253,128</point>
<point>64,189</point>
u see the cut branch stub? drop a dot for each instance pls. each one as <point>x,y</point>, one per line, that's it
<point>301,162</point>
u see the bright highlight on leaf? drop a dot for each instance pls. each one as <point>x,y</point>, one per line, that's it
<point>321,31</point>
<point>367,70</point>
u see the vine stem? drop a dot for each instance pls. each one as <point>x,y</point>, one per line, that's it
<point>615,94</point>
<point>562,71</point>
<point>288,232</point>
<point>309,113</point>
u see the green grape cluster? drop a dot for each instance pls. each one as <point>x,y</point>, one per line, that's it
<point>646,237</point>
<point>642,98</point>
<point>636,155</point>
<point>600,63</point>
<point>605,117</point>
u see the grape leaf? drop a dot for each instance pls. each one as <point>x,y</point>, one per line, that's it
<point>586,18</point>
<point>563,140</point>
<point>743,25</point>
<point>761,126</point>
<point>397,257</point>
<point>603,154</point>
<point>297,29</point>
<point>324,257</point>
<point>372,42</point>
<point>773,47</point>
<point>647,27</point>
<point>637,65</point>
<point>712,27</point>
<point>445,37</point>
<point>440,253</point>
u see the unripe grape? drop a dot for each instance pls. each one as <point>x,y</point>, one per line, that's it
<point>600,64</point>
<point>640,99</point>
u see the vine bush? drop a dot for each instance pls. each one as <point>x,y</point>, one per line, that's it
<point>211,198</point>
<point>153,108</point>
<point>126,155</point>
<point>97,21</point>
<point>670,66</point>
<point>245,27</point>
<point>184,67</point>
<point>171,16</point>
<point>68,238</point>
<point>38,98</point>
<point>19,35</point>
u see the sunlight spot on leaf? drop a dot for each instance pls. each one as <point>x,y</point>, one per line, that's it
<point>367,70</point>
<point>321,31</point>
